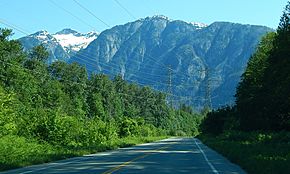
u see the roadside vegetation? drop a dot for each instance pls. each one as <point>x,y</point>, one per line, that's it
<point>55,111</point>
<point>255,132</point>
<point>255,152</point>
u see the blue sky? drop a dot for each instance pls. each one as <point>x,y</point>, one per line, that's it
<point>53,15</point>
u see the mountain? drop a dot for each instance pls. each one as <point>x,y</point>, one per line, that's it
<point>201,64</point>
<point>198,63</point>
<point>61,45</point>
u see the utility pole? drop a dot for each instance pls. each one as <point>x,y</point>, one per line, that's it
<point>169,86</point>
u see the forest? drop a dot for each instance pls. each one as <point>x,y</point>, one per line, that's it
<point>54,111</point>
<point>256,129</point>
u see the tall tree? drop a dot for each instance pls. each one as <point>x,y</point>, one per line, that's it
<point>276,87</point>
<point>263,96</point>
<point>251,83</point>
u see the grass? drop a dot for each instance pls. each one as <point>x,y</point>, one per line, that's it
<point>257,153</point>
<point>18,151</point>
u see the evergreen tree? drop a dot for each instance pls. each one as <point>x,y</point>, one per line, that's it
<point>276,86</point>
<point>263,96</point>
<point>247,98</point>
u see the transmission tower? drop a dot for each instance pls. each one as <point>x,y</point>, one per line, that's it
<point>169,86</point>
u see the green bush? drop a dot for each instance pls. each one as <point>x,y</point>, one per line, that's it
<point>18,151</point>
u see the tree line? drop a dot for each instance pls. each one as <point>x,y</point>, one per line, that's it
<point>263,95</point>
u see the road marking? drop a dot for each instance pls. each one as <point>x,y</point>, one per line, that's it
<point>51,165</point>
<point>135,159</point>
<point>206,159</point>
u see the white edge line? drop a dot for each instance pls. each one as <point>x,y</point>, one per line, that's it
<point>50,166</point>
<point>206,159</point>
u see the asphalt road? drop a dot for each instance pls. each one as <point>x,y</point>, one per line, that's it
<point>174,155</point>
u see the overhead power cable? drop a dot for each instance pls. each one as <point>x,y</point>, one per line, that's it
<point>85,57</point>
<point>13,26</point>
<point>116,67</point>
<point>73,15</point>
<point>83,7</point>
<point>124,8</point>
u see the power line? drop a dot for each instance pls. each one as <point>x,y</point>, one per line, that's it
<point>76,17</point>
<point>13,26</point>
<point>127,11</point>
<point>138,77</point>
<point>147,56</point>
<point>142,84</point>
<point>84,55</point>
<point>116,67</point>
<point>83,7</point>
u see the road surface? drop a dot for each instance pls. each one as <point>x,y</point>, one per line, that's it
<point>173,155</point>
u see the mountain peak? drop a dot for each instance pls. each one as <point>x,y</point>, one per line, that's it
<point>67,31</point>
<point>157,17</point>
<point>160,17</point>
<point>41,33</point>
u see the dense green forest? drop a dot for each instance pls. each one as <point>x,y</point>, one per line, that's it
<point>54,111</point>
<point>255,131</point>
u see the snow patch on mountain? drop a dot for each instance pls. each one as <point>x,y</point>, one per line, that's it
<point>198,25</point>
<point>74,41</point>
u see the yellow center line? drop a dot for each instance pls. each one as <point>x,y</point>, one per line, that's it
<point>135,159</point>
